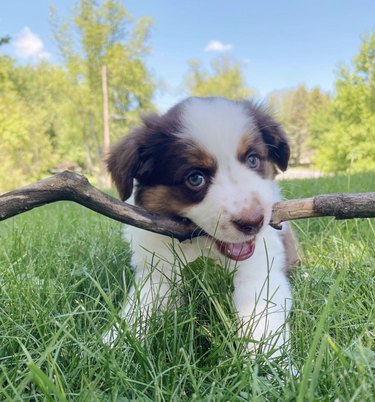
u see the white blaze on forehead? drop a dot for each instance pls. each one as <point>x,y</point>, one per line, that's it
<point>217,124</point>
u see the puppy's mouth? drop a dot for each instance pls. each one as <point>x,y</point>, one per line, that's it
<point>236,251</point>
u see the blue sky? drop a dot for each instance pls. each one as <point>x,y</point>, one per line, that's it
<point>281,43</point>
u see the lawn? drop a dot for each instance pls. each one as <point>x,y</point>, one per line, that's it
<point>63,270</point>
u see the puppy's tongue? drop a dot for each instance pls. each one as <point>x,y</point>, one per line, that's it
<point>237,251</point>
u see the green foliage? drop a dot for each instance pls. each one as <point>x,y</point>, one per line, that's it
<point>28,112</point>
<point>225,80</point>
<point>51,114</point>
<point>107,35</point>
<point>4,40</point>
<point>294,109</point>
<point>344,133</point>
<point>63,270</point>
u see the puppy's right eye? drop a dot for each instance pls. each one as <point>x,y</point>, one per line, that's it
<point>196,180</point>
<point>252,161</point>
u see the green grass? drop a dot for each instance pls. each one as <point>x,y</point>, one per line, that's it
<point>62,276</point>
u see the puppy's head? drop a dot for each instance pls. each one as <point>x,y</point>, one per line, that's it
<point>208,159</point>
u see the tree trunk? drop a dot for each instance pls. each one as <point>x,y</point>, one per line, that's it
<point>105,179</point>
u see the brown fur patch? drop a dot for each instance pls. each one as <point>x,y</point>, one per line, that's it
<point>136,154</point>
<point>198,157</point>
<point>272,134</point>
<point>253,143</point>
<point>167,200</point>
<point>162,188</point>
<point>244,146</point>
<point>269,170</point>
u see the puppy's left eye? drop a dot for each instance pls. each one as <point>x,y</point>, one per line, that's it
<point>196,180</point>
<point>252,161</point>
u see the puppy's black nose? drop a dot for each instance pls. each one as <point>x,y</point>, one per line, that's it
<point>250,223</point>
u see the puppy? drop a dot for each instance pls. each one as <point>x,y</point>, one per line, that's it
<point>213,161</point>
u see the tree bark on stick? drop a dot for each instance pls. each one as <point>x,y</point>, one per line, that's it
<point>74,187</point>
<point>339,205</point>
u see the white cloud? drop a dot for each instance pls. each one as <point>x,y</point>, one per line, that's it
<point>217,46</point>
<point>29,45</point>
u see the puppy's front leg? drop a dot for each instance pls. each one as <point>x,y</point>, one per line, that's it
<point>149,293</point>
<point>263,310</point>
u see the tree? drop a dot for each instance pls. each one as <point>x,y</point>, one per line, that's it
<point>52,113</point>
<point>344,133</point>
<point>294,109</point>
<point>107,35</point>
<point>27,120</point>
<point>225,80</point>
<point>4,40</point>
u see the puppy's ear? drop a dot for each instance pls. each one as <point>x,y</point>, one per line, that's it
<point>123,163</point>
<point>273,136</point>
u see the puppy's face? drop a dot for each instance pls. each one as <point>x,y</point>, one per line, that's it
<point>210,160</point>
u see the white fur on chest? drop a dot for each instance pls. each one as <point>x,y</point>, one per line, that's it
<point>261,293</point>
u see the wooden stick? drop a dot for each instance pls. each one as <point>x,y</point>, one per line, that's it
<point>339,205</point>
<point>69,186</point>
<point>74,187</point>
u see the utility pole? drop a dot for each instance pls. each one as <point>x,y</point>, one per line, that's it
<point>106,136</point>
